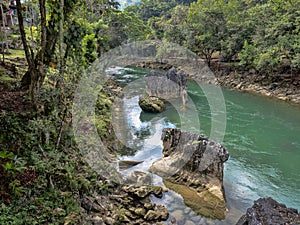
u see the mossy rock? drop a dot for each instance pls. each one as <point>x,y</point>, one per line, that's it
<point>152,104</point>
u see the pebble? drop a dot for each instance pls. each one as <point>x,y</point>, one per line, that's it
<point>178,214</point>
<point>164,189</point>
<point>187,210</point>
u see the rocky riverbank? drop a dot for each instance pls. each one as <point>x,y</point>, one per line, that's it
<point>124,204</point>
<point>280,86</point>
<point>119,203</point>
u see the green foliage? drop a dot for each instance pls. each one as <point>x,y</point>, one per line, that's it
<point>158,8</point>
<point>247,55</point>
<point>37,179</point>
<point>176,28</point>
<point>40,208</point>
<point>81,41</point>
<point>42,173</point>
<point>275,36</point>
<point>207,27</point>
<point>125,26</point>
<point>89,48</point>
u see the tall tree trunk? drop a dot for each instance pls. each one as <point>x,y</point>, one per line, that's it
<point>30,75</point>
<point>34,77</point>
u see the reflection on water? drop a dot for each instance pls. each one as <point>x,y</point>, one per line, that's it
<point>262,137</point>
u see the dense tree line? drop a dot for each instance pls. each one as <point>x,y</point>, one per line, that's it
<point>259,34</point>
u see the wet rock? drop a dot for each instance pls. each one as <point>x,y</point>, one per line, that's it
<point>157,191</point>
<point>267,211</point>
<point>189,223</point>
<point>187,210</point>
<point>192,166</point>
<point>173,221</point>
<point>152,104</point>
<point>178,215</point>
<point>139,191</point>
<point>130,214</point>
<point>165,189</point>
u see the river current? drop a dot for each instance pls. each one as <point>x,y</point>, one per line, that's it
<point>262,137</point>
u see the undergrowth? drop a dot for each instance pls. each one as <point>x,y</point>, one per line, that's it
<point>42,173</point>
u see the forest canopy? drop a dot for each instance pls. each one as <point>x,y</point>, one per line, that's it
<point>263,35</point>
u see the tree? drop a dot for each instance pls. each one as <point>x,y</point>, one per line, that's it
<point>35,75</point>
<point>124,26</point>
<point>207,27</point>
<point>54,17</point>
<point>176,27</point>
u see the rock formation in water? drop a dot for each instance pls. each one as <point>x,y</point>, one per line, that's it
<point>166,86</point>
<point>267,211</point>
<point>192,165</point>
<point>152,104</point>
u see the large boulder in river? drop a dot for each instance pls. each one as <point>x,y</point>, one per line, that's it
<point>267,211</point>
<point>166,86</point>
<point>192,165</point>
<point>152,104</point>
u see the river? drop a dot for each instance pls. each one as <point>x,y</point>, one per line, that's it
<point>262,137</point>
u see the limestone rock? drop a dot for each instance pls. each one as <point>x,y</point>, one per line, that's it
<point>140,211</point>
<point>192,163</point>
<point>152,104</point>
<point>143,191</point>
<point>166,86</point>
<point>160,213</point>
<point>267,211</point>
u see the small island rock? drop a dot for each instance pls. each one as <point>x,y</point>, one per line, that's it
<point>152,104</point>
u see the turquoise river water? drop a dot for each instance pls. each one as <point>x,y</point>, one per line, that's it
<point>262,137</point>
